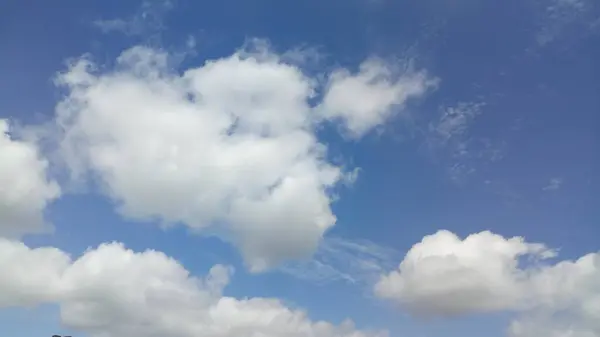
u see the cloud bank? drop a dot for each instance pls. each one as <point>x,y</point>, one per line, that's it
<point>111,291</point>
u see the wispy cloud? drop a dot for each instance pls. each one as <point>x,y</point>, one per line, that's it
<point>553,185</point>
<point>453,122</point>
<point>562,18</point>
<point>147,22</point>
<point>358,262</point>
<point>449,139</point>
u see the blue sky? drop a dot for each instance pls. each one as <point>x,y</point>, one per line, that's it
<point>481,116</point>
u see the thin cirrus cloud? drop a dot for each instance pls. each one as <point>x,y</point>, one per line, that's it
<point>146,22</point>
<point>553,185</point>
<point>356,262</point>
<point>230,142</point>
<point>449,138</point>
<point>444,275</point>
<point>565,20</point>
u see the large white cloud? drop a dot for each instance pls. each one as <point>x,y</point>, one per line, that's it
<point>444,274</point>
<point>230,144</point>
<point>567,300</point>
<point>485,272</point>
<point>111,291</point>
<point>25,190</point>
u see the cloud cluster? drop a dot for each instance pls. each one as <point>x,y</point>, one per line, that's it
<point>25,189</point>
<point>445,275</point>
<point>111,291</point>
<point>230,145</point>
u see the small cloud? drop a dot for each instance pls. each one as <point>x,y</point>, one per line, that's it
<point>453,122</point>
<point>369,97</point>
<point>146,22</point>
<point>560,17</point>
<point>553,185</point>
<point>508,194</point>
<point>108,26</point>
<point>303,55</point>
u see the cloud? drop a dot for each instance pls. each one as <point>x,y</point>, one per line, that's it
<point>445,275</point>
<point>553,185</point>
<point>565,20</point>
<point>147,22</point>
<point>449,139</point>
<point>558,15</point>
<point>448,276</point>
<point>358,262</point>
<point>368,98</point>
<point>567,300</point>
<point>25,189</point>
<point>229,146</point>
<point>29,276</point>
<point>453,123</point>
<point>111,291</point>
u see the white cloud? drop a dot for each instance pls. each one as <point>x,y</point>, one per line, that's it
<point>368,98</point>
<point>111,291</point>
<point>444,275</point>
<point>29,276</point>
<point>25,189</point>
<point>448,276</point>
<point>229,144</point>
<point>553,185</point>
<point>568,301</point>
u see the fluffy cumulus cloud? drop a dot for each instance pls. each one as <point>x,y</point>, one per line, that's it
<point>29,276</point>
<point>229,145</point>
<point>485,272</point>
<point>567,300</point>
<point>25,189</point>
<point>446,275</point>
<point>367,99</point>
<point>111,291</point>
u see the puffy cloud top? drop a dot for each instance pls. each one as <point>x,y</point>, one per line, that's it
<point>485,272</point>
<point>25,189</point>
<point>111,291</point>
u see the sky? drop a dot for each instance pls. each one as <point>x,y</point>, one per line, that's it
<point>357,168</point>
